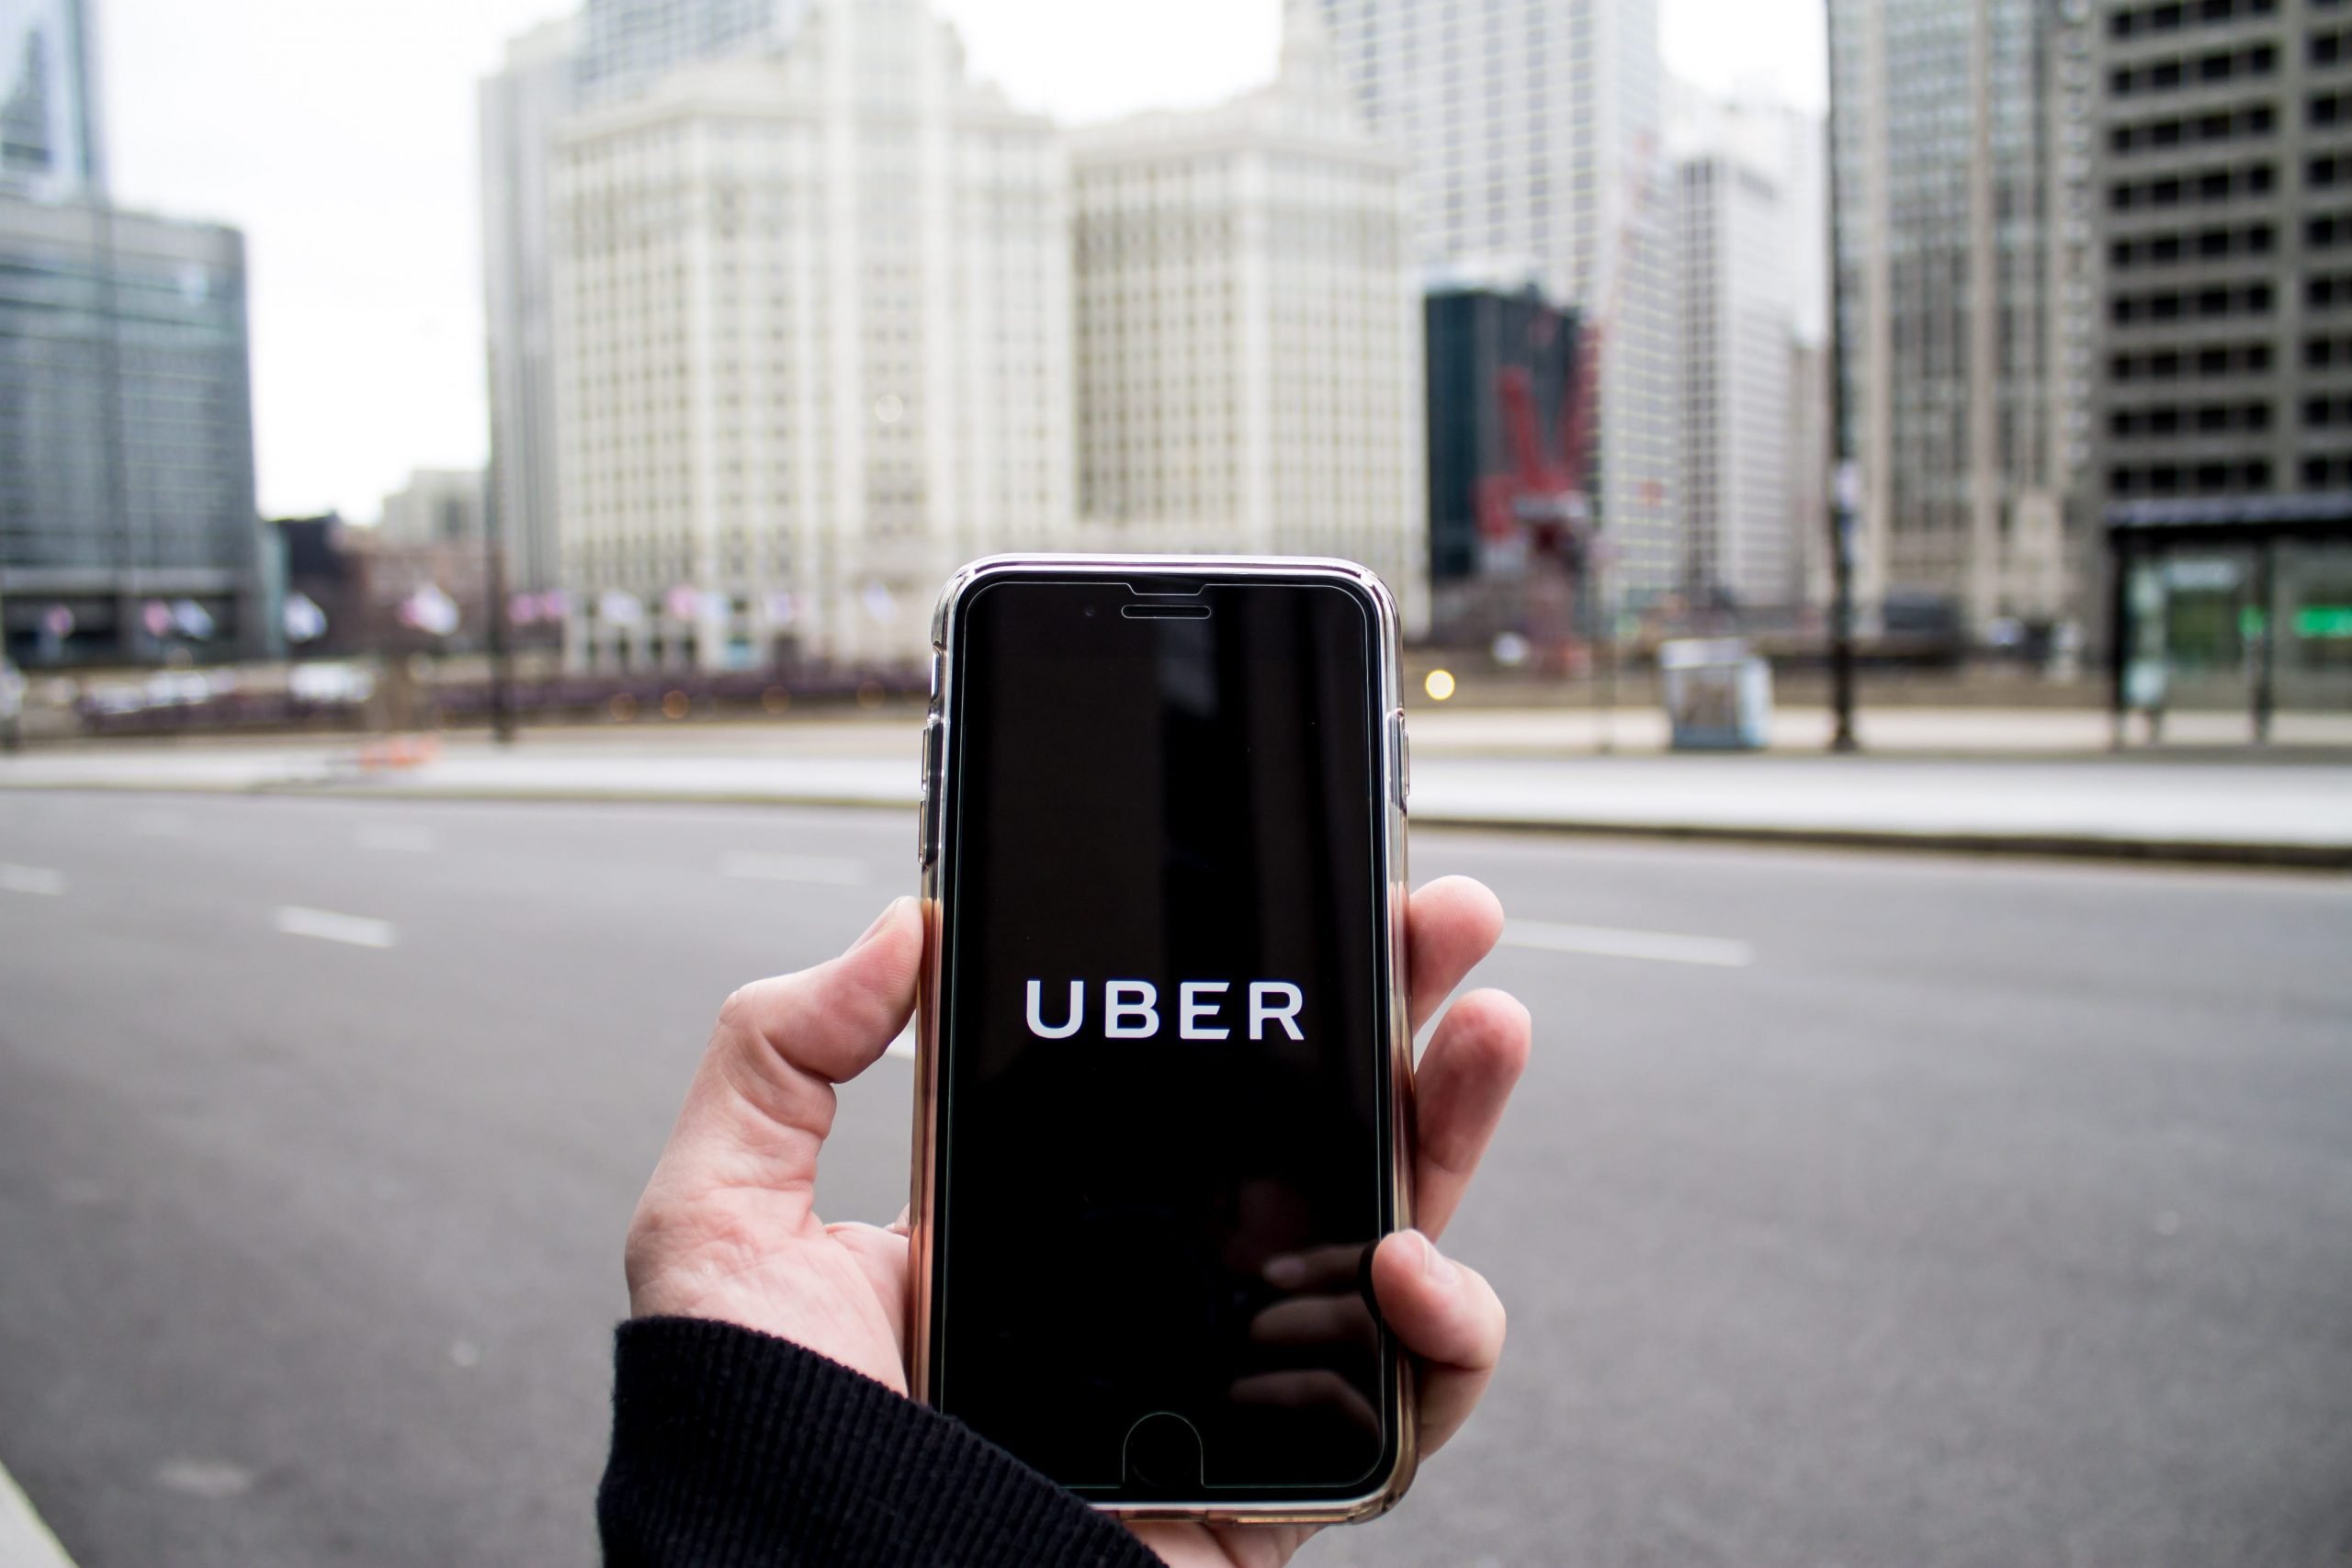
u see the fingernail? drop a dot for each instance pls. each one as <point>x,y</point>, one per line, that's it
<point>1287,1272</point>
<point>879,922</point>
<point>1436,1268</point>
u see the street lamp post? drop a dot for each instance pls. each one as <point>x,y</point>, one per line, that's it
<point>501,653</point>
<point>1844,498</point>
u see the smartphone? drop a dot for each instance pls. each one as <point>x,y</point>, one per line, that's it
<point>1163,1059</point>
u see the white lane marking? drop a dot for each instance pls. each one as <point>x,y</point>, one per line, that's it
<point>1609,941</point>
<point>210,1479</point>
<point>399,837</point>
<point>356,929</point>
<point>831,871</point>
<point>24,1541</point>
<point>38,879</point>
<point>903,1047</point>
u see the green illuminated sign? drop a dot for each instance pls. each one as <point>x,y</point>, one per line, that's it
<point>2324,621</point>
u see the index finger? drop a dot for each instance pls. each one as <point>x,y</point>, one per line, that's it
<point>1450,925</point>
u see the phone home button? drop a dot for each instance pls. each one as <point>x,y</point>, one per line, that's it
<point>1163,1453</point>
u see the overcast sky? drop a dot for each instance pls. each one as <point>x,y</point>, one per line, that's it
<point>340,137</point>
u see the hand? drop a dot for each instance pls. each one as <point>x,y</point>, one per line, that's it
<point>728,1227</point>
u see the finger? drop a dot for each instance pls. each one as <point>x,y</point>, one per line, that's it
<point>1459,1091</point>
<point>1450,925</point>
<point>1450,1317</point>
<point>1185,1545</point>
<point>762,1102</point>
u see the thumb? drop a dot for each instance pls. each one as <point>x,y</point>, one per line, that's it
<point>762,1101</point>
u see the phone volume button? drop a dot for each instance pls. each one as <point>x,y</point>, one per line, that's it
<point>1400,763</point>
<point>927,819</point>
<point>922,806</point>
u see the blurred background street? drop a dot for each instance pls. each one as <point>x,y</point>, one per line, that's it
<point>1866,486</point>
<point>1856,1209</point>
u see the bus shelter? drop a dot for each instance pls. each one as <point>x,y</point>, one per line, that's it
<point>2244,598</point>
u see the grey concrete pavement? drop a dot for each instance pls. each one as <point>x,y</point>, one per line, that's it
<point>1494,770</point>
<point>1893,1210</point>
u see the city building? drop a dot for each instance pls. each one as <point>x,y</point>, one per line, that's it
<point>1751,288</point>
<point>126,520</point>
<point>1960,158</point>
<point>1476,330</point>
<point>1739,539</point>
<point>520,108</point>
<point>812,346</point>
<point>626,46</point>
<point>610,51</point>
<point>1249,331</point>
<point>52,142</point>
<point>1532,135</point>
<point>438,506</point>
<point>2221,422</point>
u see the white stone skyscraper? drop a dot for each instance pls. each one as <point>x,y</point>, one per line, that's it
<point>520,108</point>
<point>1750,261</point>
<point>1733,366</point>
<point>52,142</point>
<point>812,315</point>
<point>609,51</point>
<point>1533,131</point>
<point>1249,331</point>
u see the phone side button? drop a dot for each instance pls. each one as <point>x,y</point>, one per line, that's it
<point>1400,760</point>
<point>926,816</point>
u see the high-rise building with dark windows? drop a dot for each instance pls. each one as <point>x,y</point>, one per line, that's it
<point>2224,152</point>
<point>127,523</point>
<point>1477,330</point>
<point>127,519</point>
<point>2221,419</point>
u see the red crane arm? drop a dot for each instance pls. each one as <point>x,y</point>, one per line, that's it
<point>1519,428</point>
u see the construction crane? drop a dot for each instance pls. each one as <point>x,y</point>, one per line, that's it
<point>1542,499</point>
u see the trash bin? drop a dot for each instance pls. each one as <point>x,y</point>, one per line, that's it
<point>12,706</point>
<point>1718,694</point>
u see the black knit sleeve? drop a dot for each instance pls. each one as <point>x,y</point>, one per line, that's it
<point>734,1446</point>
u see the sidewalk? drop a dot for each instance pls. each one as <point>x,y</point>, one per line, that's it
<point>1488,770</point>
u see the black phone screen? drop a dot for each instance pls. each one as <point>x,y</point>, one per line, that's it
<point>1164,1154</point>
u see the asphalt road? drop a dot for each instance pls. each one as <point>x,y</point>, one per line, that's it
<point>1925,1212</point>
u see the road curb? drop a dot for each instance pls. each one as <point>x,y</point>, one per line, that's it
<point>24,1541</point>
<point>2029,846</point>
<point>2272,856</point>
